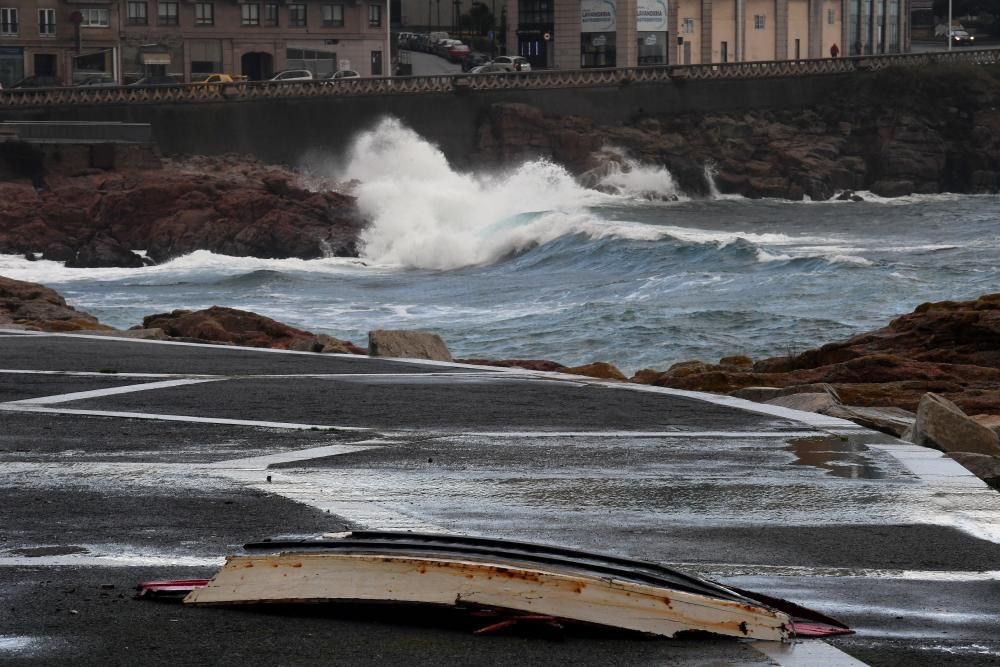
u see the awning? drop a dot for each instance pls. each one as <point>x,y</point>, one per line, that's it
<point>156,59</point>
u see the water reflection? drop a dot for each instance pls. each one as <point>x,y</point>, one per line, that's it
<point>838,457</point>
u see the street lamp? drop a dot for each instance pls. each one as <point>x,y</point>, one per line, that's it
<point>949,25</point>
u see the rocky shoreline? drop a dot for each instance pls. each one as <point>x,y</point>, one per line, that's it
<point>231,205</point>
<point>898,132</point>
<point>917,378</point>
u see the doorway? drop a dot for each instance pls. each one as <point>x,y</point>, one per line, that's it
<point>45,64</point>
<point>376,63</point>
<point>257,65</point>
<point>797,50</point>
<point>687,53</point>
<point>724,52</point>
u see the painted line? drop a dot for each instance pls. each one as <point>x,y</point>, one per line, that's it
<point>967,502</point>
<point>723,570</point>
<point>807,653</point>
<point>98,393</point>
<point>12,407</point>
<point>21,371</point>
<point>119,560</point>
<point>262,462</point>
<point>642,434</point>
<point>810,418</point>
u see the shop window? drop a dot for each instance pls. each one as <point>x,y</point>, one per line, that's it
<point>167,13</point>
<point>137,13</point>
<point>297,16</point>
<point>204,13</point>
<point>374,16</point>
<point>271,14</point>
<point>597,49</point>
<point>47,22</point>
<point>95,18</point>
<point>206,57</point>
<point>250,15</point>
<point>8,21</point>
<point>333,16</point>
<point>758,21</point>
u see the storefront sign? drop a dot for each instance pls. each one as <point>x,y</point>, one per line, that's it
<point>651,16</point>
<point>599,40</point>
<point>597,15</point>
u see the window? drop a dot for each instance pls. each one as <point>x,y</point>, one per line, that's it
<point>8,21</point>
<point>297,16</point>
<point>95,18</point>
<point>333,16</point>
<point>271,14</point>
<point>374,16</point>
<point>204,13</point>
<point>687,26</point>
<point>167,13</point>
<point>47,22</point>
<point>137,12</point>
<point>831,16</point>
<point>758,21</point>
<point>250,14</point>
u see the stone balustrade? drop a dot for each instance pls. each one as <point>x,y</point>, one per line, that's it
<point>194,93</point>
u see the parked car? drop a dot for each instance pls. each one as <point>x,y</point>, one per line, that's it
<point>962,38</point>
<point>489,68</point>
<point>158,80</point>
<point>457,52</point>
<point>513,63</point>
<point>38,81</point>
<point>333,77</point>
<point>474,59</point>
<point>293,75</point>
<point>442,46</point>
<point>97,81</point>
<point>206,79</point>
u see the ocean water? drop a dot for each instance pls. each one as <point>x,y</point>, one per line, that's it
<point>526,263</point>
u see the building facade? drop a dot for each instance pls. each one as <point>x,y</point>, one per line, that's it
<point>132,39</point>
<point>571,34</point>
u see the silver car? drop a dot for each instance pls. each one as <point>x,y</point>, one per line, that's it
<point>513,63</point>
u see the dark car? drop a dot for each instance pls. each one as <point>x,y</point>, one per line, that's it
<point>474,59</point>
<point>97,81</point>
<point>161,80</point>
<point>38,81</point>
<point>962,38</point>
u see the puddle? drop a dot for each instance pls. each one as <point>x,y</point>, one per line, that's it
<point>17,644</point>
<point>57,550</point>
<point>837,457</point>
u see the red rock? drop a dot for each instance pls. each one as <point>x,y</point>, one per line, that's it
<point>598,369</point>
<point>528,364</point>
<point>227,325</point>
<point>37,307</point>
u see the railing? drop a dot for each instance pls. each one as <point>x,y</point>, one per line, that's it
<point>193,93</point>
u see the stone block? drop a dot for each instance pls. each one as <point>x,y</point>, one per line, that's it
<point>942,425</point>
<point>407,345</point>
<point>812,402</point>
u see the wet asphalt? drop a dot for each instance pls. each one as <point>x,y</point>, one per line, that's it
<point>106,490</point>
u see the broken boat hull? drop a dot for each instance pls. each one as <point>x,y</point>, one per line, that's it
<point>319,576</point>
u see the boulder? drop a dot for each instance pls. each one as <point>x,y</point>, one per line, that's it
<point>757,394</point>
<point>942,425</point>
<point>33,306</point>
<point>893,421</point>
<point>598,369</point>
<point>810,402</point>
<point>407,345</point>
<point>227,325</point>
<point>991,422</point>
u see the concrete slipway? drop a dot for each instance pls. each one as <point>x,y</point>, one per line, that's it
<point>127,460</point>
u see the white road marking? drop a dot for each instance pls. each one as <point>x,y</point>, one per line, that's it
<point>20,407</point>
<point>807,653</point>
<point>642,434</point>
<point>262,462</point>
<point>111,391</point>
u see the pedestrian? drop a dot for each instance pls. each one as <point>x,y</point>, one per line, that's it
<point>834,51</point>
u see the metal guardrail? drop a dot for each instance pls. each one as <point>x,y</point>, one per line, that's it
<point>193,93</point>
